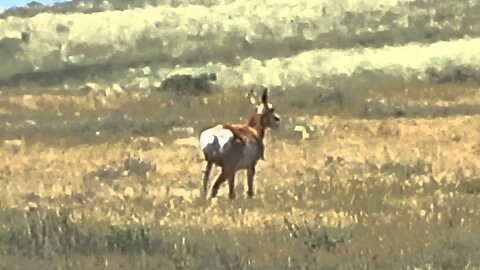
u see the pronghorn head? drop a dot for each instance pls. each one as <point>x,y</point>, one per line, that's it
<point>265,111</point>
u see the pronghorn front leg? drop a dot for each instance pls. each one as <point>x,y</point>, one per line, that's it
<point>206,169</point>
<point>250,175</point>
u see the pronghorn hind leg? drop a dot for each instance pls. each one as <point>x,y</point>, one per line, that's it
<point>221,178</point>
<point>206,169</point>
<point>231,186</point>
<point>250,175</point>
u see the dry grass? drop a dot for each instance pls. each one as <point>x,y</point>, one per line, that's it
<point>388,193</point>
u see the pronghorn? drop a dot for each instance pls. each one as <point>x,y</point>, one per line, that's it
<point>237,147</point>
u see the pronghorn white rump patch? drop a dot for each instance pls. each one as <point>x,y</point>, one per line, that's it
<point>215,141</point>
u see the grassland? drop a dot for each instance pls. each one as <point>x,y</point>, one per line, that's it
<point>99,167</point>
<point>387,179</point>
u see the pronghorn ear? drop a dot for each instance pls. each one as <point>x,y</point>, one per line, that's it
<point>251,96</point>
<point>265,95</point>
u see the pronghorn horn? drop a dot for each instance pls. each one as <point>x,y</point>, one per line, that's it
<point>251,96</point>
<point>265,95</point>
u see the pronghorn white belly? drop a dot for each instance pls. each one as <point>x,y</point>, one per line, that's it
<point>216,143</point>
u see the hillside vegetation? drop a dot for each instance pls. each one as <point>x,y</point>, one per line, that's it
<point>278,43</point>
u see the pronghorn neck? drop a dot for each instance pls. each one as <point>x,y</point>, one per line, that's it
<point>255,122</point>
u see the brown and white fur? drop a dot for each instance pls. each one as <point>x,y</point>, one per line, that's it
<point>237,147</point>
